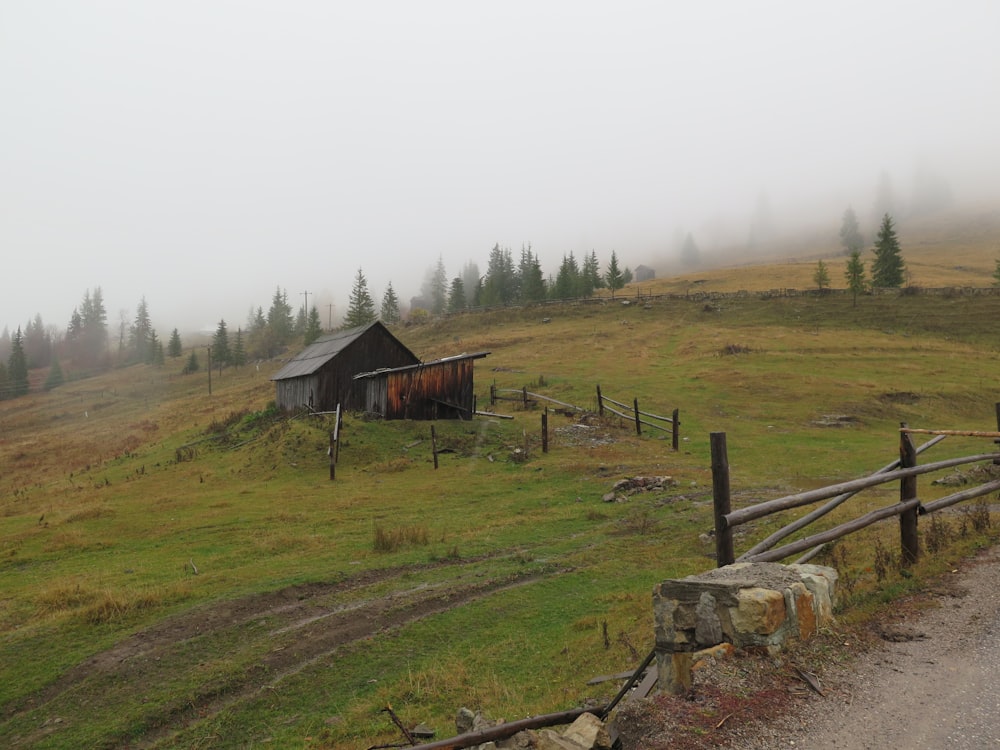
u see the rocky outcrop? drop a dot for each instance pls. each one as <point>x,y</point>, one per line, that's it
<point>749,605</point>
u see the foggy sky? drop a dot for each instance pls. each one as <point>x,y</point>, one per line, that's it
<point>203,153</point>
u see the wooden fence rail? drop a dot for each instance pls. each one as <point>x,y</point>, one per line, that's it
<point>905,470</point>
<point>669,424</point>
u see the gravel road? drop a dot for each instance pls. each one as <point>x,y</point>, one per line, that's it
<point>934,684</point>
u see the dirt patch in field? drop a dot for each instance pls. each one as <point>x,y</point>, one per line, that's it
<point>298,624</point>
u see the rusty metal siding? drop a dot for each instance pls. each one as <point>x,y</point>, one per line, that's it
<point>435,391</point>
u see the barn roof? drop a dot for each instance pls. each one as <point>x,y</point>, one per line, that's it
<point>325,348</point>
<point>443,360</point>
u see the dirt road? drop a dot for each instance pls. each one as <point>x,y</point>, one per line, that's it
<point>934,684</point>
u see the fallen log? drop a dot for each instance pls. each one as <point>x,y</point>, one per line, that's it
<point>509,729</point>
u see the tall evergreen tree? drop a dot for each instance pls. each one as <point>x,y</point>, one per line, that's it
<point>37,343</point>
<point>55,377</point>
<point>499,282</point>
<point>221,354</point>
<point>532,282</point>
<point>360,306</point>
<point>613,276</point>
<point>17,366</point>
<point>855,275</point>
<point>888,266</point>
<point>389,312</point>
<point>850,233</point>
<point>456,295</point>
<point>140,334</point>
<point>314,329</point>
<point>567,284</point>
<point>239,350</point>
<point>174,348</point>
<point>192,364</point>
<point>471,283</point>
<point>4,382</point>
<point>155,349</point>
<point>435,287</point>
<point>279,319</point>
<point>591,273</point>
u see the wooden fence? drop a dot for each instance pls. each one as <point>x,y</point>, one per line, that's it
<point>904,470</point>
<point>525,397</point>
<point>669,424</point>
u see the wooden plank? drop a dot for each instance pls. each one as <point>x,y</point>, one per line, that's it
<point>645,687</point>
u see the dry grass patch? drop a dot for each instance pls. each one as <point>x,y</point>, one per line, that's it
<point>389,540</point>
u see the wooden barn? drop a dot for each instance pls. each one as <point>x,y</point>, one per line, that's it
<point>321,375</point>
<point>441,389</point>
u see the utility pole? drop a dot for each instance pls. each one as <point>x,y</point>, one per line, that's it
<point>306,295</point>
<point>329,325</point>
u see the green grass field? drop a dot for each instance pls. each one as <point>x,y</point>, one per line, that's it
<point>179,571</point>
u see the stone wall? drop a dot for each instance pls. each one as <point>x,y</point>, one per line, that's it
<point>750,605</point>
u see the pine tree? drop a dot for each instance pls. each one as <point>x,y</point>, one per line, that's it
<point>37,343</point>
<point>139,334</point>
<point>279,321</point>
<point>850,233</point>
<point>154,354</point>
<point>55,377</point>
<point>435,288</point>
<point>239,350</point>
<point>314,329</point>
<point>174,347</point>
<point>888,267</point>
<point>192,364</point>
<point>389,312</point>
<point>17,366</point>
<point>360,307</point>
<point>456,295</point>
<point>821,276</point>
<point>220,346</point>
<point>499,283</point>
<point>471,283</point>
<point>613,276</point>
<point>567,284</point>
<point>532,282</point>
<point>855,275</point>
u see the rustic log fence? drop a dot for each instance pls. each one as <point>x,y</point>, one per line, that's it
<point>669,424</point>
<point>526,398</point>
<point>905,470</point>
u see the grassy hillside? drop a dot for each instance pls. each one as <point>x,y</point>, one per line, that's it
<point>179,571</point>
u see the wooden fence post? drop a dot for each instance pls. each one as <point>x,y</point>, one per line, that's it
<point>908,539</point>
<point>724,554</point>
<point>638,424</point>
<point>997,406</point>
<point>333,455</point>
<point>675,429</point>
<point>600,403</point>
<point>338,426</point>
<point>434,446</point>
<point>545,430</point>
<point>335,444</point>
<point>493,394</point>
<point>524,397</point>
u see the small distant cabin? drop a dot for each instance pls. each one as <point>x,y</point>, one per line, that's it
<point>644,273</point>
<point>322,375</point>
<point>441,389</point>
